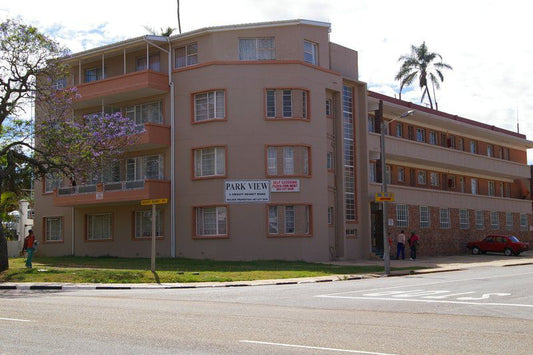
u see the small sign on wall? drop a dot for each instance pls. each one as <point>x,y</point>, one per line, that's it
<point>285,185</point>
<point>247,191</point>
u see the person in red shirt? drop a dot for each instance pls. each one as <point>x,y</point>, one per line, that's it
<point>29,246</point>
<point>413,243</point>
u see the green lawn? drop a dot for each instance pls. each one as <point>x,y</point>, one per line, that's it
<point>169,270</point>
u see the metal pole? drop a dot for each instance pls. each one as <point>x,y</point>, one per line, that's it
<point>153,238</point>
<point>386,251</point>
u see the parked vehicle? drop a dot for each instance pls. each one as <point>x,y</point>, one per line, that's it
<point>507,244</point>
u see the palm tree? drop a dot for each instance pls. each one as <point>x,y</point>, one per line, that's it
<point>422,64</point>
<point>162,32</point>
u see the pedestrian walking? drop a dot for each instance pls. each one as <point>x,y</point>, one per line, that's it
<point>400,245</point>
<point>413,244</point>
<point>29,247</point>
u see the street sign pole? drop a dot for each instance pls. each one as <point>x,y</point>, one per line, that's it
<point>153,202</point>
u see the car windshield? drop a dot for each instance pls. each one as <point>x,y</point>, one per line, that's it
<point>514,239</point>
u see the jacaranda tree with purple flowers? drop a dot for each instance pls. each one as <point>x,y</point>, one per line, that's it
<point>58,141</point>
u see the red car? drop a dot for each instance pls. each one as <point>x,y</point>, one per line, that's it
<point>507,244</point>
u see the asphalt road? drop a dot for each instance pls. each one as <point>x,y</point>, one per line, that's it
<point>479,311</point>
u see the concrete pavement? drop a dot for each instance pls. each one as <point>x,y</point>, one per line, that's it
<point>430,264</point>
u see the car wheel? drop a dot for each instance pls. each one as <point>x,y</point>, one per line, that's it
<point>476,251</point>
<point>508,252</point>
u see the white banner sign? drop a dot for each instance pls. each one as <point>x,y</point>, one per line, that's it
<point>285,185</point>
<point>246,191</point>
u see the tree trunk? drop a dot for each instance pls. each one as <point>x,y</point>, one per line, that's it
<point>4,260</point>
<point>429,98</point>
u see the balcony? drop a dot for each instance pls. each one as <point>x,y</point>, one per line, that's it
<point>119,88</point>
<point>400,150</point>
<point>111,193</point>
<point>152,136</point>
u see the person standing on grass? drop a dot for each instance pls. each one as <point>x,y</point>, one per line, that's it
<point>400,246</point>
<point>29,246</point>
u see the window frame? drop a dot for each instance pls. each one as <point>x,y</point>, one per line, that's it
<point>464,218</point>
<point>286,105</point>
<point>509,222</point>
<point>215,175</point>
<point>523,222</point>
<point>480,219</point>
<point>258,49</point>
<point>402,215</point>
<point>425,217</point>
<point>313,52</point>
<point>444,218</point>
<point>159,224</point>
<point>282,221</point>
<point>188,55</point>
<point>494,220</point>
<point>218,212</point>
<point>88,225</point>
<point>216,103</point>
<point>46,229</point>
<point>278,165</point>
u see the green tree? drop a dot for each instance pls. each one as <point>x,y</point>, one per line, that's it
<point>422,64</point>
<point>58,142</point>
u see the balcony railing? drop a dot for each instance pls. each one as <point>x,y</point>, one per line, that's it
<point>112,192</point>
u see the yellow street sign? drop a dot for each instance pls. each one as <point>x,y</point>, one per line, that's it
<point>155,201</point>
<point>385,196</point>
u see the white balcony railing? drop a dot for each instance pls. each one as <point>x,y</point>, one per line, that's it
<point>106,186</point>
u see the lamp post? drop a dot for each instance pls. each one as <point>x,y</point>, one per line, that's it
<point>386,246</point>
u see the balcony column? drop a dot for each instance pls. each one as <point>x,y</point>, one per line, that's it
<point>80,81</point>
<point>147,56</point>
<point>103,66</point>
<point>124,61</point>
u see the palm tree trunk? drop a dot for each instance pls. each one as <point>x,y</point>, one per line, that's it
<point>429,98</point>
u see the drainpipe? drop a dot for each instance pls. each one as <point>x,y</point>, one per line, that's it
<point>172,157</point>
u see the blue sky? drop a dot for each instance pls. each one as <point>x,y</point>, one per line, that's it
<point>487,42</point>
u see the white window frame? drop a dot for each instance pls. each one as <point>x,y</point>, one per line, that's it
<point>473,186</point>
<point>433,138</point>
<point>329,161</point>
<point>210,105</point>
<point>328,107</point>
<point>509,221</point>
<point>311,52</point>
<point>105,231</point>
<point>53,234</point>
<point>421,177</point>
<point>257,45</point>
<point>154,62</point>
<point>464,218</point>
<point>491,188</point>
<point>218,159</point>
<point>141,114</point>
<point>402,215</point>
<point>140,168</point>
<point>434,178</point>
<point>331,215</point>
<point>372,172</point>
<point>401,174</point>
<point>217,228</point>
<point>399,129</point>
<point>425,220</point>
<point>494,220</point>
<point>473,147</point>
<point>286,224</point>
<point>420,135</point>
<point>444,218</point>
<point>523,222</point>
<point>480,220</point>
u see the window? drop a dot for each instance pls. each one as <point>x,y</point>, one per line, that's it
<point>59,84</point>
<point>480,220</point>
<point>210,162</point>
<point>473,185</point>
<point>186,55</point>
<point>53,229</point>
<point>494,220</point>
<point>422,177</point>
<point>444,218</point>
<point>509,221</point>
<point>331,216</point>
<point>329,161</point>
<point>328,107</point>
<point>464,219</point>
<point>93,74</point>
<point>451,142</point>
<point>154,63</point>
<point>99,226</point>
<point>451,182</point>
<point>143,223</point>
<point>348,155</point>
<point>401,174</point>
<point>424,217</point>
<point>291,220</point>
<point>434,178</point>
<point>433,138</point>
<point>211,221</point>
<point>372,172</point>
<point>490,150</point>
<point>402,216</point>
<point>461,144</point>
<point>491,191</point>
<point>311,52</point>
<point>147,167</point>
<point>523,222</point>
<point>399,129</point>
<point>473,147</point>
<point>371,123</point>
<point>462,183</point>
<point>284,103</point>
<point>420,135</point>
<point>209,106</point>
<point>288,161</point>
<point>256,48</point>
<point>52,181</point>
<point>144,113</point>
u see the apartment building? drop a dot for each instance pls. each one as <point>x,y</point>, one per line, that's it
<point>454,180</point>
<point>260,139</point>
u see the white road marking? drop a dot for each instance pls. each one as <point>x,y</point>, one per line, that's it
<point>484,297</point>
<point>311,347</point>
<point>428,301</point>
<point>16,320</point>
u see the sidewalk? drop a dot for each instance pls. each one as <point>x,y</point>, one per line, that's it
<point>431,265</point>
